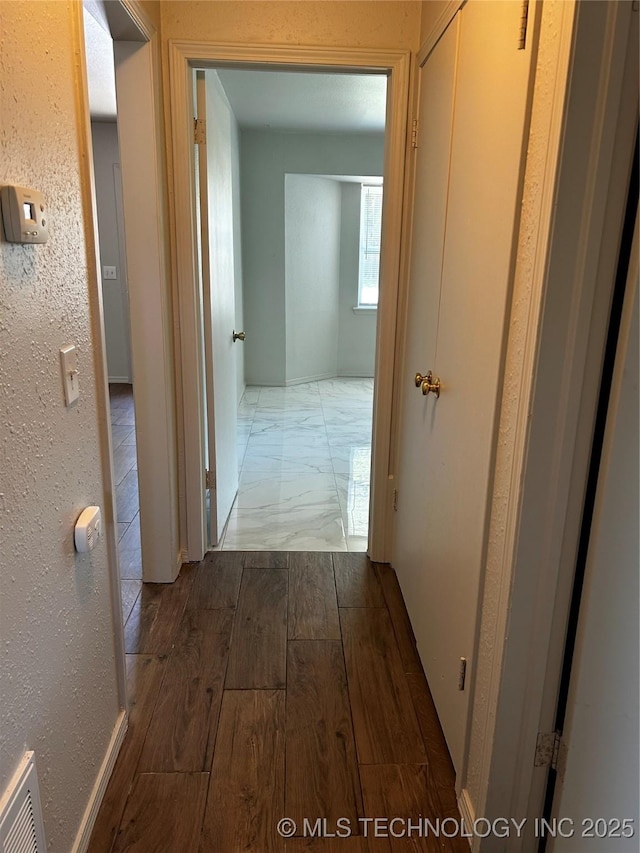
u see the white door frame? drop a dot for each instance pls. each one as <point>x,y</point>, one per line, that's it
<point>140,136</point>
<point>132,30</point>
<point>184,56</point>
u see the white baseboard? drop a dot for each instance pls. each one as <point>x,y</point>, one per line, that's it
<point>467,811</point>
<point>81,844</point>
<point>121,380</point>
<point>356,374</point>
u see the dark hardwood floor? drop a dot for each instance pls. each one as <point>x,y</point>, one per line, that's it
<point>272,685</point>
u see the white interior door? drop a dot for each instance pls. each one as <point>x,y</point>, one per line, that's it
<point>473,100</point>
<point>218,298</point>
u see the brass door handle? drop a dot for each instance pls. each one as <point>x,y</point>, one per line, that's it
<point>238,336</point>
<point>428,384</point>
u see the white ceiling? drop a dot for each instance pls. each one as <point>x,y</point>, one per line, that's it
<point>283,100</point>
<point>100,70</point>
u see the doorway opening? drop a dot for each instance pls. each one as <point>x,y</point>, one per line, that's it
<point>290,190</point>
<point>115,298</point>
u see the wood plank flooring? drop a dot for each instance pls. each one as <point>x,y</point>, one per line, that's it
<point>258,657</point>
<point>246,793</point>
<point>272,685</point>
<point>322,769</point>
<point>313,605</point>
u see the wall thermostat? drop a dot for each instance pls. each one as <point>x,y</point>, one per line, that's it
<point>24,215</point>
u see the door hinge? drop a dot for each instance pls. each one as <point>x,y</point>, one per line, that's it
<point>547,750</point>
<point>199,131</point>
<point>414,133</point>
<point>524,19</point>
<point>395,500</point>
<point>210,479</point>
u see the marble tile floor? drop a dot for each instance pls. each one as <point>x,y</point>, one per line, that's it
<point>304,458</point>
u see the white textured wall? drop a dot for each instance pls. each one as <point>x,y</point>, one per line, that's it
<point>115,298</point>
<point>357,330</point>
<point>265,157</point>
<point>312,273</point>
<point>57,675</point>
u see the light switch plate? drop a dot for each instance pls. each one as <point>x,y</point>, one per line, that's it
<point>69,367</point>
<point>110,273</point>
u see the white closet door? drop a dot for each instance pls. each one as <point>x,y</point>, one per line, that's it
<point>446,469</point>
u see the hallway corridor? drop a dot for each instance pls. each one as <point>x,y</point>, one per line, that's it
<point>265,685</point>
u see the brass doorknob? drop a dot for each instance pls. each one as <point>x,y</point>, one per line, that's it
<point>431,386</point>
<point>238,336</point>
<point>428,384</point>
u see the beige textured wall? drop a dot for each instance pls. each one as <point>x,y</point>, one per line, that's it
<point>58,691</point>
<point>344,23</point>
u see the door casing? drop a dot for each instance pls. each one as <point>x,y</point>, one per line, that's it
<point>137,41</point>
<point>183,58</point>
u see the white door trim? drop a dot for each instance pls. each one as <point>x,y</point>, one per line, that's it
<point>564,249</point>
<point>140,136</point>
<point>129,22</point>
<point>183,57</point>
<point>100,364</point>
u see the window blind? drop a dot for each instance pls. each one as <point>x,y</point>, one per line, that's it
<point>370,233</point>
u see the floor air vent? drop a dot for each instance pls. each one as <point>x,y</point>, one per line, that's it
<point>21,827</point>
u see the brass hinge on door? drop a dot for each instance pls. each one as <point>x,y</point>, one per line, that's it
<point>199,131</point>
<point>210,479</point>
<point>524,19</point>
<point>414,133</point>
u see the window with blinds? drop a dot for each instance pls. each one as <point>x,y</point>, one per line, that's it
<point>370,232</point>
